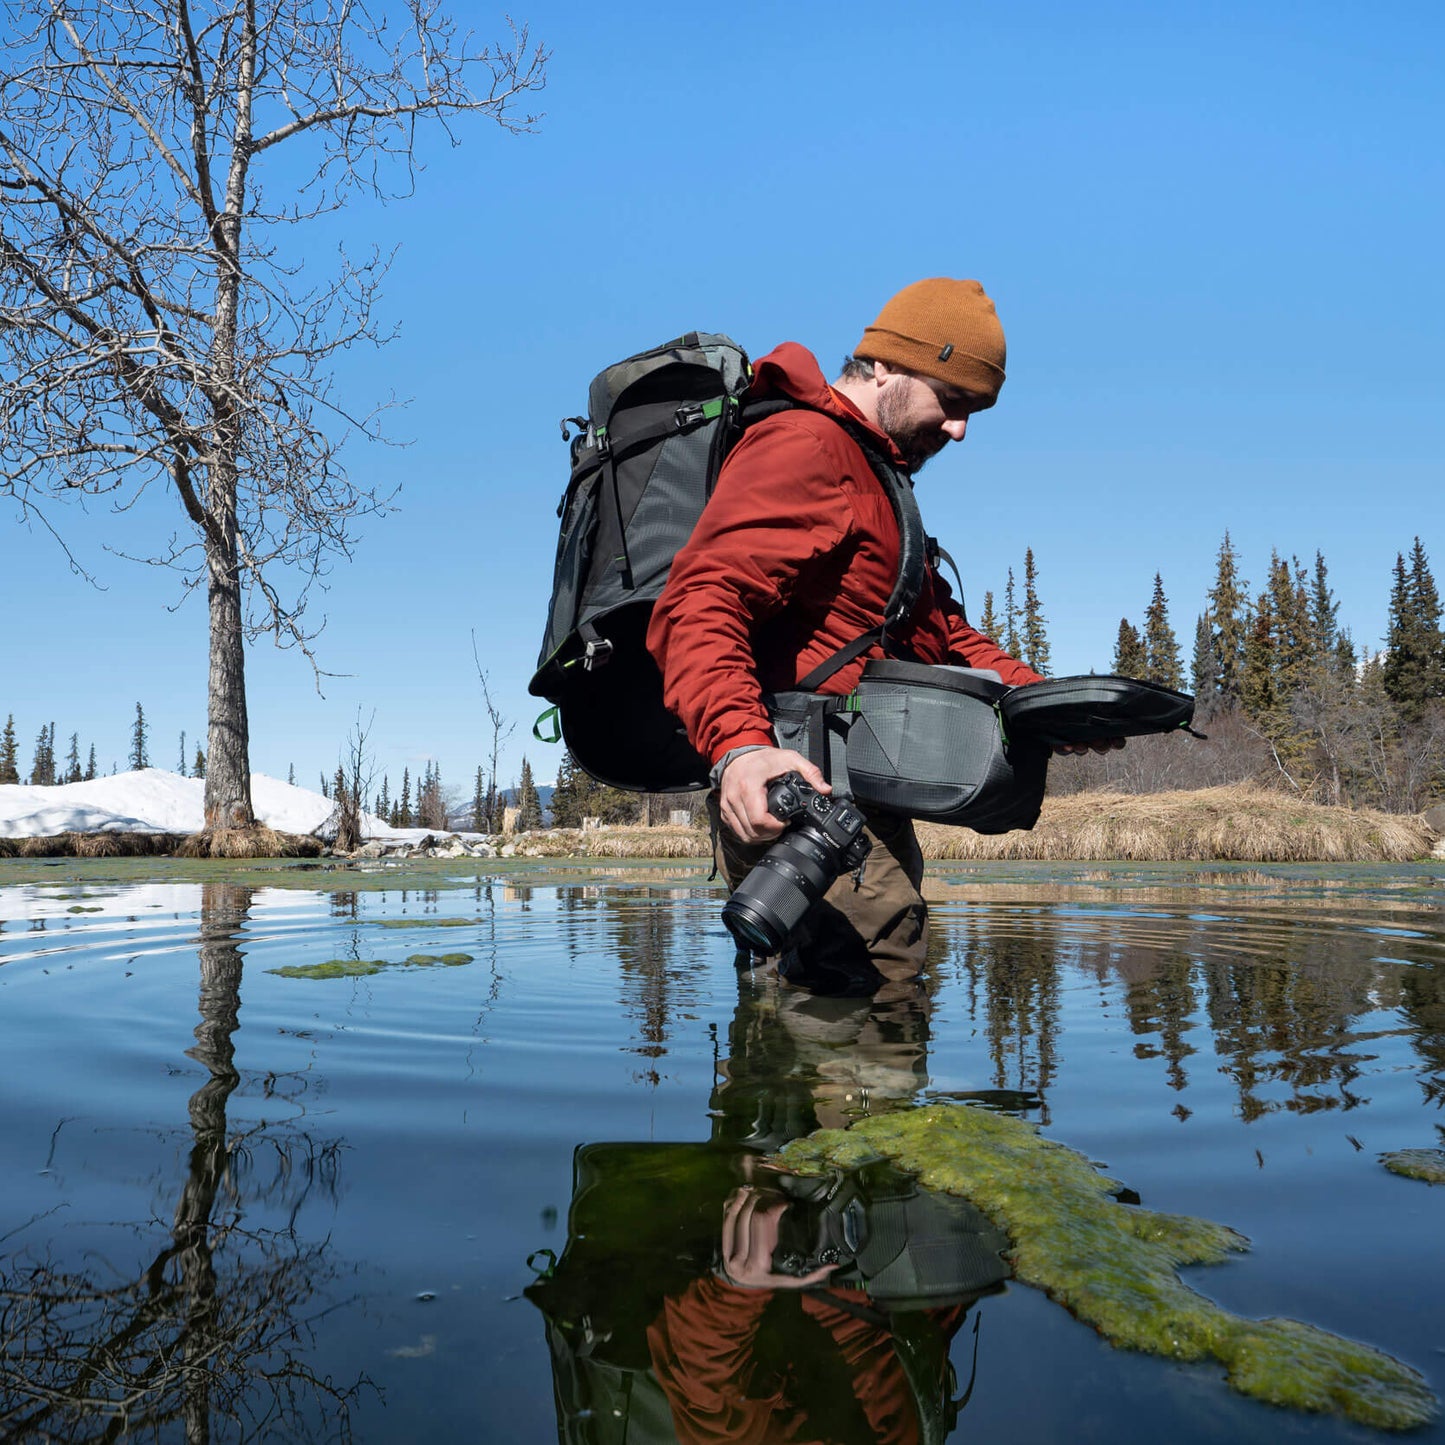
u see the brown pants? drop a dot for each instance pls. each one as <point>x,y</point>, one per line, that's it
<point>854,939</point>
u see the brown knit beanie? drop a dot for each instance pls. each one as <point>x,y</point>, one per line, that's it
<point>941,328</point>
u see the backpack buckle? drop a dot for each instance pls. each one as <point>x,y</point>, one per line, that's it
<point>597,653</point>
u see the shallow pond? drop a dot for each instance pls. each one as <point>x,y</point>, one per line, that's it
<point>475,1189</point>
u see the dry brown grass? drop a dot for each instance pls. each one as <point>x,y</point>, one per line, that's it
<point>1239,823</point>
<point>1235,823</point>
<point>124,845</point>
<point>258,842</point>
<point>631,841</point>
<point>91,845</point>
<point>222,843</point>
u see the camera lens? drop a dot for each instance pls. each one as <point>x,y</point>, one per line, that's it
<point>770,902</point>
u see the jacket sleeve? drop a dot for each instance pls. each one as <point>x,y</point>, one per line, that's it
<point>701,1347</point>
<point>778,508</point>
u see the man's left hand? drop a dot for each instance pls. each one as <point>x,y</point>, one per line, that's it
<point>1100,745</point>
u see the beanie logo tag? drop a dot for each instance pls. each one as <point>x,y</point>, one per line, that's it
<point>946,352</point>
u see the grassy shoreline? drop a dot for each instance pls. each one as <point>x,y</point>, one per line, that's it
<point>1236,824</point>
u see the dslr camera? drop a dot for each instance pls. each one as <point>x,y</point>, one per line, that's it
<point>824,839</point>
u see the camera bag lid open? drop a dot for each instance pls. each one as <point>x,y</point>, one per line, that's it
<point>1090,709</point>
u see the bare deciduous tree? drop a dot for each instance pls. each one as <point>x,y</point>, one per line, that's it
<point>501,730</point>
<point>155,326</point>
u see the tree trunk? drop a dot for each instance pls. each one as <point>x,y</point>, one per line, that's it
<point>228,738</point>
<point>224,909</point>
<point>228,761</point>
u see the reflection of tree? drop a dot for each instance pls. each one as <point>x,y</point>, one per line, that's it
<point>208,1336</point>
<point>1161,1000</point>
<point>642,931</point>
<point>1277,1023</point>
<point>1280,999</point>
<point>1423,1002</point>
<point>1015,976</point>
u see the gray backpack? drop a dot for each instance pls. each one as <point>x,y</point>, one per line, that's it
<point>645,459</point>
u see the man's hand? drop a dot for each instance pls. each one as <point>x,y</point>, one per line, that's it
<point>749,1237</point>
<point>1101,745</point>
<point>743,794</point>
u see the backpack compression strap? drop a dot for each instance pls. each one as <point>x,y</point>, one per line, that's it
<point>912,544</point>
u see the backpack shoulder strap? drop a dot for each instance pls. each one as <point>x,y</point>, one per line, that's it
<point>912,544</point>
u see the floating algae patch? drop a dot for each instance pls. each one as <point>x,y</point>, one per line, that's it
<point>428,922</point>
<point>1426,1164</point>
<point>365,967</point>
<point>332,968</point>
<point>1115,1266</point>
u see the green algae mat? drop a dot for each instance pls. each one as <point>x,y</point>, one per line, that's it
<point>1427,1165</point>
<point>1115,1266</point>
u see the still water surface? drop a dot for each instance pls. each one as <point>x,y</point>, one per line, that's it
<point>479,1200</point>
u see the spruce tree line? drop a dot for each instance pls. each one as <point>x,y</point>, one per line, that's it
<point>1336,721</point>
<point>48,770</point>
<point>1339,723</point>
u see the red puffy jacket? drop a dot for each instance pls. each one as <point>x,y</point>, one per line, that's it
<point>794,556</point>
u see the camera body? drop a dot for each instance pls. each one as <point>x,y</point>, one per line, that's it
<point>824,839</point>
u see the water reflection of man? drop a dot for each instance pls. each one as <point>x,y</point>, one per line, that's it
<point>748,1344</point>
<point>798,1061</point>
<point>751,1353</point>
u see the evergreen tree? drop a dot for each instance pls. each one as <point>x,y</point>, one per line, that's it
<point>431,807</point>
<point>42,768</point>
<point>1161,648</point>
<point>1130,659</point>
<point>1347,663</point>
<point>1414,667</point>
<point>138,757</point>
<point>1229,615</point>
<point>529,805</point>
<point>90,767</point>
<point>181,766</point>
<point>988,623</point>
<point>403,811</point>
<point>1035,640</point>
<point>198,763</point>
<point>569,795</point>
<point>382,807</point>
<point>9,756</point>
<point>1258,693</point>
<point>72,760</point>
<point>1202,670</point>
<point>291,774</point>
<point>1324,611</point>
<point>1010,637</point>
<point>325,786</point>
<point>479,803</point>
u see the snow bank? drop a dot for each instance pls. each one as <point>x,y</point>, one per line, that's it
<point>154,801</point>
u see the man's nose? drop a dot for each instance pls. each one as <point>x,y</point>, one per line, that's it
<point>954,429</point>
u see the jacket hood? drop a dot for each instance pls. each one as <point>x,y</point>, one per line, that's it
<point>792,370</point>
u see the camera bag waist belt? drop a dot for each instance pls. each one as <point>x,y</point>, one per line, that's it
<point>956,745</point>
<point>921,742</point>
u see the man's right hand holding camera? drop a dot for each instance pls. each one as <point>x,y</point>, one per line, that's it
<point>749,1239</point>
<point>743,792</point>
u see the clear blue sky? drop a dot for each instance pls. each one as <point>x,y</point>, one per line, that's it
<point>1213,233</point>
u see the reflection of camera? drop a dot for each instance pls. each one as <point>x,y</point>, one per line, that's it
<point>825,839</point>
<point>908,1247</point>
<point>826,1222</point>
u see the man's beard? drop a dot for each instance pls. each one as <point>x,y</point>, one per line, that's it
<point>916,444</point>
